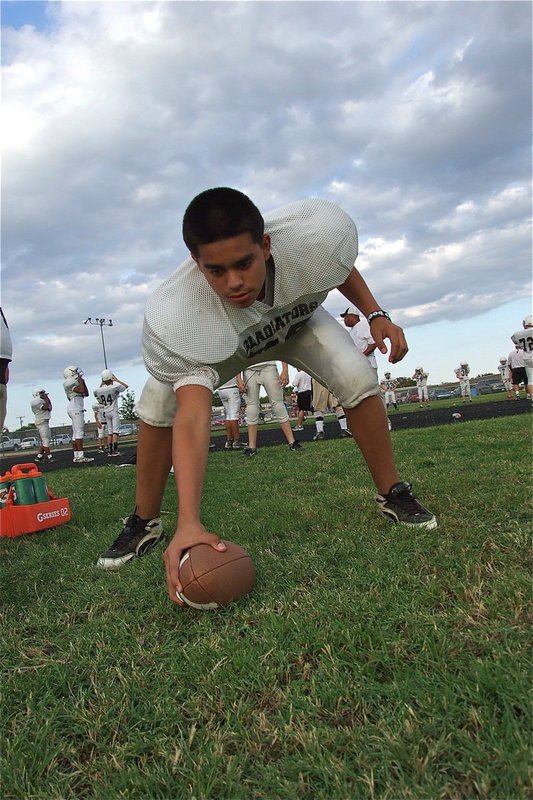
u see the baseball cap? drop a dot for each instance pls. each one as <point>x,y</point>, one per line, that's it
<point>351,310</point>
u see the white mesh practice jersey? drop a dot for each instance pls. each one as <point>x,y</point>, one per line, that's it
<point>301,381</point>
<point>525,339</point>
<point>389,384</point>
<point>40,413</point>
<point>462,373</point>
<point>107,395</point>
<point>100,410</point>
<point>503,369</point>
<point>421,378</point>
<point>192,336</point>
<point>76,400</point>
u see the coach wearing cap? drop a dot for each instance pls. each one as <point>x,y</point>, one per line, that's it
<point>359,330</point>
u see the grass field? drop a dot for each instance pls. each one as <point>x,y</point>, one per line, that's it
<point>370,661</point>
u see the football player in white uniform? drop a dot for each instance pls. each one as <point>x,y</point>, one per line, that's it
<point>524,339</point>
<point>253,287</point>
<point>421,378</point>
<point>266,374</point>
<point>322,400</point>
<point>462,372</point>
<point>230,397</point>
<point>503,369</point>
<point>107,395</point>
<point>388,385</point>
<point>101,426</point>
<point>41,405</point>
<point>75,390</point>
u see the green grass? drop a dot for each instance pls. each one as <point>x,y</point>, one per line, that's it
<point>370,662</point>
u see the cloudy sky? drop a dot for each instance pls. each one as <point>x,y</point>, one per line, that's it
<point>413,116</point>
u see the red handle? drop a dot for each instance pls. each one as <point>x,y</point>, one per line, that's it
<point>17,469</point>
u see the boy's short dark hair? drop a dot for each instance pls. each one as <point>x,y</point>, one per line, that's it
<point>220,213</point>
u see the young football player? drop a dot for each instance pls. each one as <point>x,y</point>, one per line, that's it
<point>107,395</point>
<point>266,374</point>
<point>503,369</point>
<point>252,287</point>
<point>388,386</point>
<point>75,390</point>
<point>101,426</point>
<point>230,398</point>
<point>524,340</point>
<point>461,373</point>
<point>41,405</point>
<point>421,378</point>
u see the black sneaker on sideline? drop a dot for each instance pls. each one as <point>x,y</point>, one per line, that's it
<point>248,452</point>
<point>136,538</point>
<point>296,447</point>
<point>400,506</point>
<point>318,436</point>
<point>346,434</point>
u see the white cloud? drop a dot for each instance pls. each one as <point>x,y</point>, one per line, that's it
<point>414,118</point>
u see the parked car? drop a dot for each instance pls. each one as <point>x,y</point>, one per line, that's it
<point>8,443</point>
<point>489,386</point>
<point>29,443</point>
<point>127,429</point>
<point>61,438</point>
<point>442,394</point>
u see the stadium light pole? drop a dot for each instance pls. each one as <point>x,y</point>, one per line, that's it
<point>100,322</point>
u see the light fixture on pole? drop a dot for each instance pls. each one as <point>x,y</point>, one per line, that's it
<point>101,322</point>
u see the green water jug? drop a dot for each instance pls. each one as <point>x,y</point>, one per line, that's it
<point>29,485</point>
<point>40,489</point>
<point>23,491</point>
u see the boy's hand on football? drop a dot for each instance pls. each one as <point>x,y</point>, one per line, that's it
<point>187,535</point>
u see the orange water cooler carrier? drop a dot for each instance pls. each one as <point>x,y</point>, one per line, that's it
<point>26,503</point>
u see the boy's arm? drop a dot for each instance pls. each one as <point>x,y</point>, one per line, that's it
<point>190,445</point>
<point>117,380</point>
<point>356,291</point>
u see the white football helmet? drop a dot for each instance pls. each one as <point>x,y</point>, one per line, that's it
<point>37,392</point>
<point>419,369</point>
<point>70,372</point>
<point>464,363</point>
<point>503,360</point>
<point>106,375</point>
<point>528,321</point>
<point>387,374</point>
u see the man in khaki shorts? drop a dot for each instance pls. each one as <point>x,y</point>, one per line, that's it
<point>322,400</point>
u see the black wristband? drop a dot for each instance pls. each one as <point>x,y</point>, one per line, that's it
<point>376,314</point>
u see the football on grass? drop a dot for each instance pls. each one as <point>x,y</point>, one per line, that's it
<point>211,579</point>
